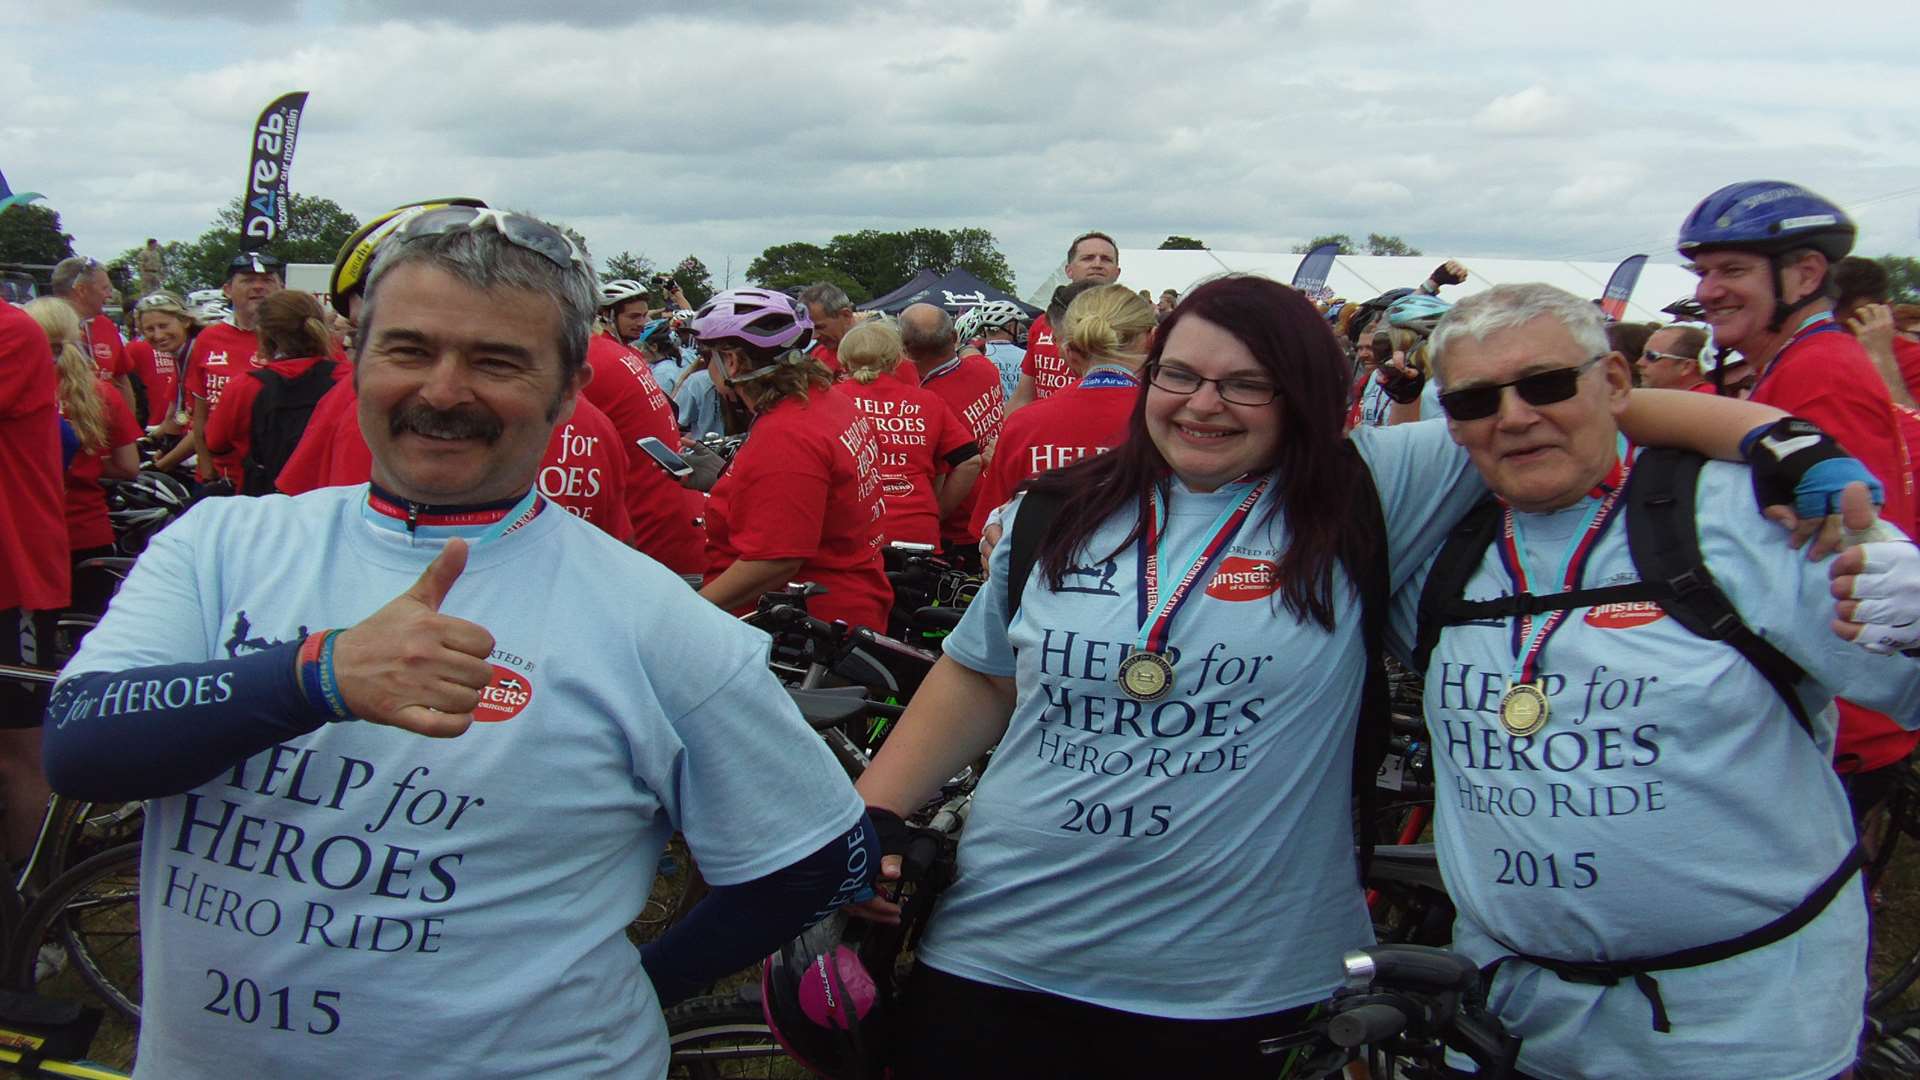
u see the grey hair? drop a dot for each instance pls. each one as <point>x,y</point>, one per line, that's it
<point>1506,307</point>
<point>926,338</point>
<point>826,296</point>
<point>68,272</point>
<point>484,259</point>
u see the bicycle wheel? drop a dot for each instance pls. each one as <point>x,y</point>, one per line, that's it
<point>1896,946</point>
<point>677,886</point>
<point>725,1036</point>
<point>79,830</point>
<point>93,912</point>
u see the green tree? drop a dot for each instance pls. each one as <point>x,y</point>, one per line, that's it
<point>1389,245</point>
<point>316,227</point>
<point>1903,278</point>
<point>30,233</point>
<point>977,252</point>
<point>694,280</point>
<point>1181,243</point>
<point>627,264</point>
<point>1340,238</point>
<point>783,266</point>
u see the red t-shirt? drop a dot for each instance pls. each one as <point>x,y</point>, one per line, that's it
<point>1827,378</point>
<point>221,353</point>
<point>160,374</point>
<point>806,485</point>
<point>1907,355</point>
<point>662,512</point>
<point>104,344</point>
<point>1049,370</point>
<point>229,433</point>
<point>971,387</point>
<point>581,472</point>
<point>1082,421</point>
<point>830,357</point>
<point>920,438</point>
<point>87,522</point>
<point>35,572</point>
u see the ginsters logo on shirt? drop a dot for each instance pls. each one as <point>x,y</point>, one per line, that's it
<point>1241,578</point>
<point>504,697</point>
<point>1624,616</point>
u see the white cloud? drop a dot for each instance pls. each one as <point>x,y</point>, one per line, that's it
<point>1533,110</point>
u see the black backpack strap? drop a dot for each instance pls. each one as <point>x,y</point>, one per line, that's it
<point>1664,540</point>
<point>1030,526</point>
<point>1440,599</point>
<point>1374,726</point>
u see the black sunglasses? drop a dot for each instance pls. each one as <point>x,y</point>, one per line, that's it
<point>1539,388</point>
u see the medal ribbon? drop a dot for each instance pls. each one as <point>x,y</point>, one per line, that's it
<point>500,521</point>
<point>1156,613</point>
<point>1530,641</point>
<point>1110,377</point>
<point>1814,324</point>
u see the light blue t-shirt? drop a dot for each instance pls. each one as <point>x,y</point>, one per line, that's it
<point>1374,404</point>
<point>1430,401</point>
<point>698,404</point>
<point>1670,802</point>
<point>1193,856</point>
<point>363,901</point>
<point>668,372</point>
<point>1007,357</point>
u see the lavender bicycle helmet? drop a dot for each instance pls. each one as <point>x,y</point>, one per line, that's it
<point>761,317</point>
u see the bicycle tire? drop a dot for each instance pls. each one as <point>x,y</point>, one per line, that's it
<point>93,911</point>
<point>725,1036</point>
<point>84,829</point>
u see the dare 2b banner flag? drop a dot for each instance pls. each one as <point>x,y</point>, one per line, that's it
<point>270,173</point>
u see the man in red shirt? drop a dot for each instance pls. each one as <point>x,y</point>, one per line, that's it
<point>970,385</point>
<point>84,284</point>
<point>1092,257</point>
<point>1862,307</point>
<point>35,575</point>
<point>1764,251</point>
<point>833,316</point>
<point>227,349</point>
<point>662,512</point>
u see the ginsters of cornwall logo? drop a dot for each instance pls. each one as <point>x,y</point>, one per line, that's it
<point>1241,578</point>
<point>504,697</point>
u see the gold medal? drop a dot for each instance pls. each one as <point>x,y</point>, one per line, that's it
<point>1523,709</point>
<point>1146,675</point>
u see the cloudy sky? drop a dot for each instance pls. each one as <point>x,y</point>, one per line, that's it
<point>1488,128</point>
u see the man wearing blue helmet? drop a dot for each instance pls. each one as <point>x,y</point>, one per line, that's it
<point>1763,250</point>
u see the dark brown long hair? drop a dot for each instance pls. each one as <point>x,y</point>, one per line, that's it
<point>1316,475</point>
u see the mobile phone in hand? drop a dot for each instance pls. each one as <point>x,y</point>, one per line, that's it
<point>664,456</point>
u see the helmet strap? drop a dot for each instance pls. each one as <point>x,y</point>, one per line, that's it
<point>1782,311</point>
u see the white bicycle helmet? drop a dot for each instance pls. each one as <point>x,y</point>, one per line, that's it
<point>995,314</point>
<point>619,291</point>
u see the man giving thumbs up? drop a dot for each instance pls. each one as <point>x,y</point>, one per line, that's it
<point>267,673</point>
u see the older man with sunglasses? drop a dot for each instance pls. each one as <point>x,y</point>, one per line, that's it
<point>1639,837</point>
<point>414,748</point>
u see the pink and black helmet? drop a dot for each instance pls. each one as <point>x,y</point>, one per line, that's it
<point>761,317</point>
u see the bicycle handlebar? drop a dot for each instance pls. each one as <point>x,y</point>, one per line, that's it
<point>1414,966</point>
<point>1365,1024</point>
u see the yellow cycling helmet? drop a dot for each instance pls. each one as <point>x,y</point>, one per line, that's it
<point>356,255</point>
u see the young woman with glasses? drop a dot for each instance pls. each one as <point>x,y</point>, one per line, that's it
<point>1159,870</point>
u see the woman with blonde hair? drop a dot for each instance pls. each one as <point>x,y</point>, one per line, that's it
<point>928,458</point>
<point>1104,337</point>
<point>298,346</point>
<point>107,430</point>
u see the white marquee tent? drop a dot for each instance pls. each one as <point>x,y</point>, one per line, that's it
<point>1361,277</point>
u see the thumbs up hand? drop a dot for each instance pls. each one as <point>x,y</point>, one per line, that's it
<point>411,667</point>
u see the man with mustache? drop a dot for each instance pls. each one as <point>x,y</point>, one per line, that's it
<point>414,807</point>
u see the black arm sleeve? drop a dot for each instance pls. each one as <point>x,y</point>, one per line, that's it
<point>739,924</point>
<point>149,732</point>
<point>963,453</point>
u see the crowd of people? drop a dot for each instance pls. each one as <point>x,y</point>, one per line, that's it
<point>442,711</point>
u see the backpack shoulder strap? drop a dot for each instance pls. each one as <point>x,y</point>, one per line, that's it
<point>1373,728</point>
<point>1465,546</point>
<point>1030,526</point>
<point>1664,540</point>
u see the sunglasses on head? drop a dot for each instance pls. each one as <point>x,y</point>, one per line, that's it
<point>1539,388</point>
<point>522,231</point>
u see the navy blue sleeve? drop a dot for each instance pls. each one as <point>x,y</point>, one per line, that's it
<point>148,732</point>
<point>739,924</point>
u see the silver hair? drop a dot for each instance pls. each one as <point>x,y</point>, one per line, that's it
<point>1506,307</point>
<point>68,272</point>
<point>486,260</point>
<point>927,338</point>
<point>826,296</point>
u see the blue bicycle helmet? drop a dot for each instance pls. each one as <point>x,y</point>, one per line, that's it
<point>1771,218</point>
<point>1417,312</point>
